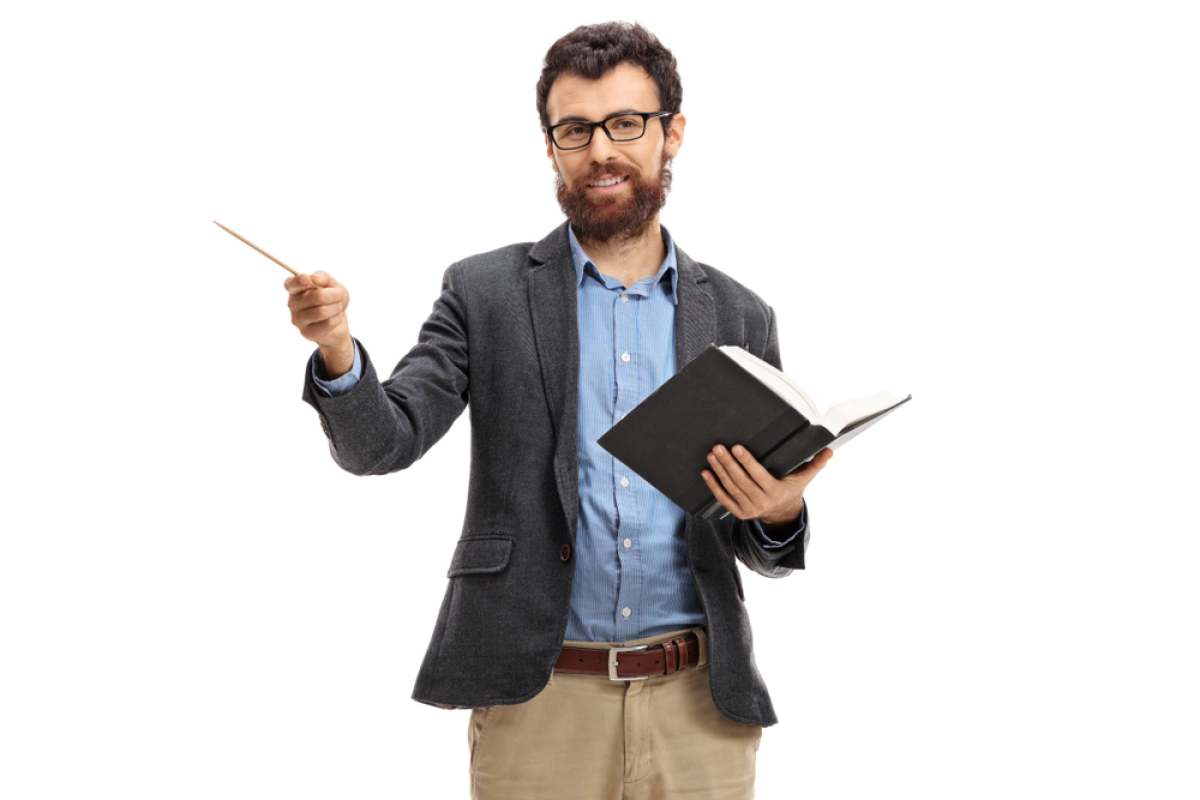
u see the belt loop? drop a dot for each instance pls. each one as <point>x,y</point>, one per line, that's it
<point>702,641</point>
<point>671,656</point>
<point>682,646</point>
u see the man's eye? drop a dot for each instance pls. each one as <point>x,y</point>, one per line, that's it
<point>575,130</point>
<point>623,124</point>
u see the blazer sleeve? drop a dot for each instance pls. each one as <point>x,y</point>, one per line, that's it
<point>380,427</point>
<point>778,561</point>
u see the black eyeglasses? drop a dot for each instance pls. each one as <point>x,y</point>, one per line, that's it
<point>619,127</point>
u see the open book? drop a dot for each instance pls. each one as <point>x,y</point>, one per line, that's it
<point>727,396</point>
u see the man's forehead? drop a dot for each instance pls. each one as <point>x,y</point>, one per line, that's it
<point>627,87</point>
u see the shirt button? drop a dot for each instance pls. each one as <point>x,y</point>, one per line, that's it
<point>624,482</point>
<point>624,298</point>
<point>625,357</point>
<point>628,543</point>
<point>625,612</point>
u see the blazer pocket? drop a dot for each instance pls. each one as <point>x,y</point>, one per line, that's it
<point>480,555</point>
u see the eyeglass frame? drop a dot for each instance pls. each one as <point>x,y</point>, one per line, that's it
<point>645,115</point>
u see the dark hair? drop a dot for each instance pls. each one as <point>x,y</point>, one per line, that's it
<point>592,51</point>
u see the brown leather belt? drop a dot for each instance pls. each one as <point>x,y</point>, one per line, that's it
<point>631,663</point>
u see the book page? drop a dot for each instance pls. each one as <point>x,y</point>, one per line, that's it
<point>776,381</point>
<point>848,412</point>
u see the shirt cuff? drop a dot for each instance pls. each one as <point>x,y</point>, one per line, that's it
<point>337,386</point>
<point>771,543</point>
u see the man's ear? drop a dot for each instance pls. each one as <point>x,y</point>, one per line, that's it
<point>674,136</point>
<point>550,152</point>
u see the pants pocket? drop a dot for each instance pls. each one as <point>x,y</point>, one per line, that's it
<point>477,729</point>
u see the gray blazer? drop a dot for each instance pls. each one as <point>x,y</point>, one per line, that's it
<point>503,335</point>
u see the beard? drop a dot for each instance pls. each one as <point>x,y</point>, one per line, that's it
<point>604,218</point>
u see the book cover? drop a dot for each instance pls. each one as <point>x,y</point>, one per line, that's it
<point>715,400</point>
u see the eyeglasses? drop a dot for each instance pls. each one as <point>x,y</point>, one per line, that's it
<point>619,127</point>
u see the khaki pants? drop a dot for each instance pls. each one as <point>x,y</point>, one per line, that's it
<point>586,737</point>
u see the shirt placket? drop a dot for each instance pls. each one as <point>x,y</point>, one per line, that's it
<point>626,483</point>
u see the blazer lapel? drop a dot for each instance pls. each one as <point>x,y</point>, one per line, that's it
<point>553,308</point>
<point>695,313</point>
<point>695,329</point>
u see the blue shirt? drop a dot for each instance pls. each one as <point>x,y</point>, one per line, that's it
<point>631,578</point>
<point>631,575</point>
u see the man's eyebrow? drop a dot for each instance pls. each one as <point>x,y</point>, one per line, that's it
<point>577,118</point>
<point>573,118</point>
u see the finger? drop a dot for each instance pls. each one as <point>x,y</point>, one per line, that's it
<point>722,496</point>
<point>754,469</point>
<point>749,487</point>
<point>310,298</point>
<point>321,278</point>
<point>721,467</point>
<point>318,331</point>
<point>818,462</point>
<point>805,475</point>
<point>325,289</point>
<point>333,295</point>
<point>318,313</point>
<point>296,284</point>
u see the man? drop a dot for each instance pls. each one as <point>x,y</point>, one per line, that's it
<point>565,554</point>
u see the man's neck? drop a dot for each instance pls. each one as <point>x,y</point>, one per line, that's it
<point>631,259</point>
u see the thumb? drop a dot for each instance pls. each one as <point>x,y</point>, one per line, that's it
<point>321,279</point>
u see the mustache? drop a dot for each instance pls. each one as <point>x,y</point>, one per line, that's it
<point>598,171</point>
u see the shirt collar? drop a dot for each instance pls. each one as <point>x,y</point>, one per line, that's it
<point>668,266</point>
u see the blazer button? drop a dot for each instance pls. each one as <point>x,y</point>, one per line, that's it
<point>565,552</point>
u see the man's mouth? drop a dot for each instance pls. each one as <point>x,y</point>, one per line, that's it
<point>604,183</point>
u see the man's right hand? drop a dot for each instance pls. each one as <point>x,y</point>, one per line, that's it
<point>318,305</point>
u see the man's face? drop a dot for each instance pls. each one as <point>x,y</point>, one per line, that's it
<point>624,208</point>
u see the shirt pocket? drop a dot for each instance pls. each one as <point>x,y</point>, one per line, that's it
<point>480,555</point>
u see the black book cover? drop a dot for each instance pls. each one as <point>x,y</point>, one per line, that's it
<point>713,400</point>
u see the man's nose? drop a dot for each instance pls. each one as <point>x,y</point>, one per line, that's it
<point>602,148</point>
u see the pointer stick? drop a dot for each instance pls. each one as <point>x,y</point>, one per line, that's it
<point>259,249</point>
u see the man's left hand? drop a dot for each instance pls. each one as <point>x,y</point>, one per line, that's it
<point>748,491</point>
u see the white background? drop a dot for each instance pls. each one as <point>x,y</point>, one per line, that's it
<point>990,205</point>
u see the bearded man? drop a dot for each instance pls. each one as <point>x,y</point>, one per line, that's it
<point>597,632</point>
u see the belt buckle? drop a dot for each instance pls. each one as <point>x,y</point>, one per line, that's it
<point>612,663</point>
